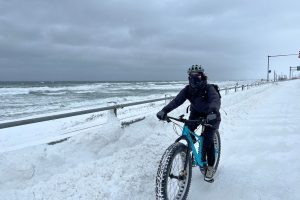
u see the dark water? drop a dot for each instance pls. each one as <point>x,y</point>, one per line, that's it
<point>23,99</point>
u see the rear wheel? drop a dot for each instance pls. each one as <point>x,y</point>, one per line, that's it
<point>217,145</point>
<point>172,180</point>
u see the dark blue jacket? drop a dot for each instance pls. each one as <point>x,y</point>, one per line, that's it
<point>203,102</point>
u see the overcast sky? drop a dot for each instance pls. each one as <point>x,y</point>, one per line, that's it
<point>146,40</point>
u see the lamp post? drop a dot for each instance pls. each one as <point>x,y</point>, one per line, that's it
<point>275,75</point>
<point>292,54</point>
<point>268,68</point>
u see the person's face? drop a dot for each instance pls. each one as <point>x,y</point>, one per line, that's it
<point>195,79</point>
<point>195,76</point>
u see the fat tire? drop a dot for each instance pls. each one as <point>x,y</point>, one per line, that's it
<point>217,144</point>
<point>164,170</point>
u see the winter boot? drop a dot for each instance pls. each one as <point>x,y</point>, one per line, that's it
<point>209,174</point>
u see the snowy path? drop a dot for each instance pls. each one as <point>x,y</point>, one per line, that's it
<point>260,139</point>
<point>260,149</point>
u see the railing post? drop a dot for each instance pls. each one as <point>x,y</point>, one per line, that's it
<point>242,87</point>
<point>167,99</point>
<point>234,88</point>
<point>226,90</point>
<point>112,114</point>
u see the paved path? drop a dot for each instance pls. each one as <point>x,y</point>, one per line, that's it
<point>261,147</point>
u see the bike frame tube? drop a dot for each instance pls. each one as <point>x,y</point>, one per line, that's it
<point>187,133</point>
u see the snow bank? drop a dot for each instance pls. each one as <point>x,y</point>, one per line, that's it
<point>260,147</point>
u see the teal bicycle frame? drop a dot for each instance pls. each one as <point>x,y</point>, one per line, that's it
<point>198,155</point>
<point>186,135</point>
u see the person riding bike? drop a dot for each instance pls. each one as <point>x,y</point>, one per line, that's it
<point>205,102</point>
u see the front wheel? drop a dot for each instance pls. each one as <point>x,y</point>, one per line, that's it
<point>172,180</point>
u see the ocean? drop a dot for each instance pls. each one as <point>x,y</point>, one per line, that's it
<point>26,99</point>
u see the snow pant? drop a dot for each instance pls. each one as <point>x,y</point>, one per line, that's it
<point>208,137</point>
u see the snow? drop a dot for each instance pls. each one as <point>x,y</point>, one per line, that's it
<point>260,147</point>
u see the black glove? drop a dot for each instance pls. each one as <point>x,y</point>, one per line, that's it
<point>161,115</point>
<point>211,116</point>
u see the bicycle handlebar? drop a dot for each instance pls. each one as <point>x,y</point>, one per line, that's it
<point>203,121</point>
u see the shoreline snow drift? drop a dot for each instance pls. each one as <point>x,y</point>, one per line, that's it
<point>260,147</point>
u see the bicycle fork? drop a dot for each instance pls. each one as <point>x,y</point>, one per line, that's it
<point>183,173</point>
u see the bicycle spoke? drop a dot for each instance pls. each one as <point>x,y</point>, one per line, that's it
<point>174,181</point>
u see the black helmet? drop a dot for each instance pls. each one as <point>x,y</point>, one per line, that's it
<point>195,69</point>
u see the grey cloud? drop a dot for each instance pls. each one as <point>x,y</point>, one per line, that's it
<point>144,40</point>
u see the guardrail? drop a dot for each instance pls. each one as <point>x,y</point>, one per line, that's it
<point>113,108</point>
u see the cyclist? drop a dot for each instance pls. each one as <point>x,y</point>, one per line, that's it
<point>205,102</point>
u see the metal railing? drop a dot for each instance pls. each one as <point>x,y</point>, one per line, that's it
<point>72,114</point>
<point>113,108</point>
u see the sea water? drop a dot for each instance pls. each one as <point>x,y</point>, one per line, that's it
<point>25,99</point>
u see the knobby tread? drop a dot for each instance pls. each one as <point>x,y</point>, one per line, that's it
<point>217,134</point>
<point>164,169</point>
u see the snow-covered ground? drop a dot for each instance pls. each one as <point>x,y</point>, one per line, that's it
<point>260,147</point>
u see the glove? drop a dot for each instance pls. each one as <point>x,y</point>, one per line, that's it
<point>161,115</point>
<point>211,116</point>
